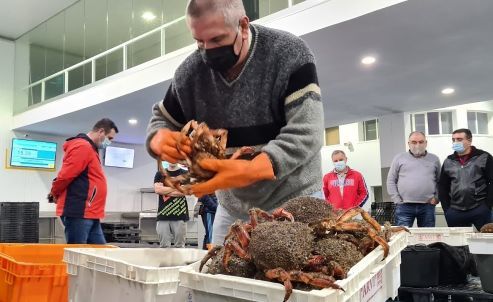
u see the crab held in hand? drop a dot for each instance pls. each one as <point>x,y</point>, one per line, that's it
<point>205,143</point>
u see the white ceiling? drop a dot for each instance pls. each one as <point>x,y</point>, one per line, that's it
<point>20,16</point>
<point>421,47</point>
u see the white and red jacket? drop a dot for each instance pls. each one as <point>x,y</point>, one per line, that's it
<point>80,186</point>
<point>355,192</point>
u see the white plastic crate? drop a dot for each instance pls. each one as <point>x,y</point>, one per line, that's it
<point>480,243</point>
<point>371,279</point>
<point>134,274</point>
<point>455,236</point>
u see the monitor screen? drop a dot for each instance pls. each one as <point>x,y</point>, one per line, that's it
<point>33,154</point>
<point>119,157</point>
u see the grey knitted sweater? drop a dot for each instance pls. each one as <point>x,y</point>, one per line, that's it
<point>274,105</point>
<point>413,179</point>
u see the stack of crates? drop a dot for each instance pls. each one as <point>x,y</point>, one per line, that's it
<point>383,212</point>
<point>120,232</point>
<point>19,222</point>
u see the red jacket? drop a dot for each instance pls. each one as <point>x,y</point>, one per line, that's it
<point>355,191</point>
<point>80,187</point>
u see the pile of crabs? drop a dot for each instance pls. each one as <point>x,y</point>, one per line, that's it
<point>303,244</point>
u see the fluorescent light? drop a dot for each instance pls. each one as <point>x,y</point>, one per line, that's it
<point>448,90</point>
<point>148,16</point>
<point>132,121</point>
<point>368,60</point>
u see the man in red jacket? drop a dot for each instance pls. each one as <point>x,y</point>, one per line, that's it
<point>80,186</point>
<point>344,188</point>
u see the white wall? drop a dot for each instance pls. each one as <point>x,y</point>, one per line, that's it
<point>124,184</point>
<point>17,185</point>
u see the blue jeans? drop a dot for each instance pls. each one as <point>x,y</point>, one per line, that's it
<point>405,214</point>
<point>478,217</point>
<point>83,231</point>
<point>208,221</point>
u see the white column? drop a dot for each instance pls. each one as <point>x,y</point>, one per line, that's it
<point>393,130</point>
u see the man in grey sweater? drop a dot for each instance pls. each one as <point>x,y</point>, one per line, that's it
<point>412,183</point>
<point>261,85</point>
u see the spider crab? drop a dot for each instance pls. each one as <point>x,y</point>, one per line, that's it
<point>205,143</point>
<point>287,260</point>
<point>297,253</point>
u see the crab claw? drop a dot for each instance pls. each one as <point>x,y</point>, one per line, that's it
<point>282,213</point>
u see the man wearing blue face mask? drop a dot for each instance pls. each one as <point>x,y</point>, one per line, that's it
<point>79,189</point>
<point>261,85</point>
<point>466,183</point>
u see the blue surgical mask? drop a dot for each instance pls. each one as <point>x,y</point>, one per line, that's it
<point>105,143</point>
<point>458,147</point>
<point>340,165</point>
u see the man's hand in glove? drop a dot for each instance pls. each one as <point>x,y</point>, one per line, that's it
<point>167,144</point>
<point>234,173</point>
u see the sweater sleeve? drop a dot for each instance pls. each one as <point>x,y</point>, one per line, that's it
<point>326,187</point>
<point>165,114</point>
<point>392,179</point>
<point>75,160</point>
<point>302,136</point>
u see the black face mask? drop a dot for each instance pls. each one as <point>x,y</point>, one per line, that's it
<point>221,58</point>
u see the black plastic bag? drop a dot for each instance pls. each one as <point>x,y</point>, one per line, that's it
<point>456,262</point>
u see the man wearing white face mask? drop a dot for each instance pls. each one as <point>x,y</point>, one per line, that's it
<point>79,189</point>
<point>466,183</point>
<point>344,188</point>
<point>412,183</point>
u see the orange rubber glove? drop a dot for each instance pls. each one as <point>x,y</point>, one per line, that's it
<point>234,173</point>
<point>165,145</point>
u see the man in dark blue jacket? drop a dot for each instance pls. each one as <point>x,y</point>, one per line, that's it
<point>207,211</point>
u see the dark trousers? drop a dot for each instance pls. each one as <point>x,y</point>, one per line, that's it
<point>478,217</point>
<point>208,221</point>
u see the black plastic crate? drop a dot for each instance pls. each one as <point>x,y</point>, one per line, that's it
<point>15,211</point>
<point>19,232</point>
<point>383,212</point>
<point>122,232</point>
<point>119,226</point>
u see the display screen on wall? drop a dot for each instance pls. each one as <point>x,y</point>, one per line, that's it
<point>33,154</point>
<point>119,157</point>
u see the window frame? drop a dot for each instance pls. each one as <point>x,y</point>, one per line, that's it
<point>440,126</point>
<point>364,127</point>
<point>476,121</point>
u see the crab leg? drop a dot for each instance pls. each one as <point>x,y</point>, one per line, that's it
<point>212,253</point>
<point>283,276</point>
<point>383,243</point>
<point>230,247</point>
<point>347,215</point>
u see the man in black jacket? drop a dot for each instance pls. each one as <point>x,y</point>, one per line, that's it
<point>466,183</point>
